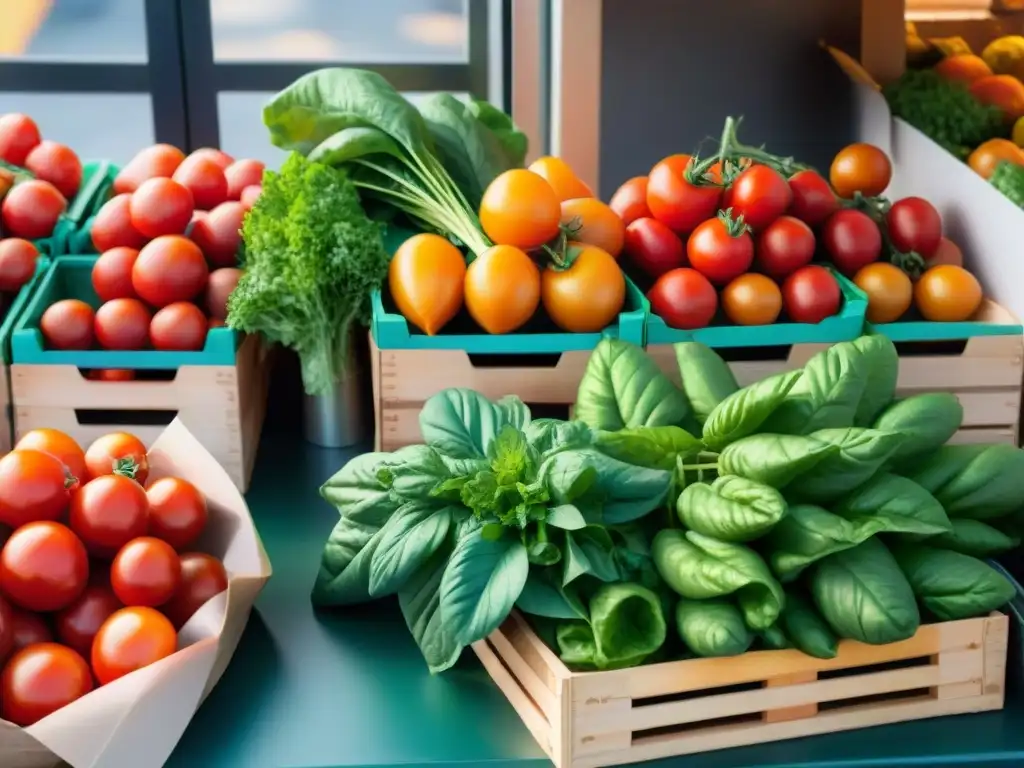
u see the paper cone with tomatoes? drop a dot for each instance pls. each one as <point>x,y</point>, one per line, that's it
<point>137,719</point>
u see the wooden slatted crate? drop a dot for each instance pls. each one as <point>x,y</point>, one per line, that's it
<point>593,719</point>
<point>222,405</point>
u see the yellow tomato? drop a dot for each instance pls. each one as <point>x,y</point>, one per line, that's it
<point>426,278</point>
<point>889,291</point>
<point>752,299</point>
<point>590,221</point>
<point>561,177</point>
<point>502,289</point>
<point>947,294</point>
<point>586,296</point>
<point>520,208</point>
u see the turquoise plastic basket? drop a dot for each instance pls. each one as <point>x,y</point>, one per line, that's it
<point>923,330</point>
<point>847,325</point>
<point>17,306</point>
<point>70,277</point>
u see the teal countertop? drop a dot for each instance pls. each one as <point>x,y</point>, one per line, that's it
<point>349,689</point>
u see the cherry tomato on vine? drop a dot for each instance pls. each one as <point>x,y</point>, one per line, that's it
<point>586,296</point>
<point>813,199</point>
<point>202,577</point>
<point>720,249</point>
<point>108,512</point>
<point>914,226</point>
<point>519,208</point>
<point>784,246</point>
<point>752,299</point>
<point>860,168</point>
<point>630,200</point>
<point>889,291</point>
<point>852,239</point>
<point>59,445</point>
<point>674,201</point>
<point>130,639</point>
<point>760,195</point>
<point>653,247</point>
<point>43,566</point>
<point>39,680</point>
<point>118,451</point>
<point>78,624</point>
<point>177,511</point>
<point>146,571</point>
<point>811,294</point>
<point>33,486</point>
<point>684,299</point>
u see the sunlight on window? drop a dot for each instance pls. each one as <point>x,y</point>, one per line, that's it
<point>442,29</point>
<point>298,44</point>
<point>248,13</point>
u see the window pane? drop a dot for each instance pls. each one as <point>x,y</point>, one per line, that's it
<point>241,125</point>
<point>98,30</point>
<point>395,31</point>
<point>84,121</point>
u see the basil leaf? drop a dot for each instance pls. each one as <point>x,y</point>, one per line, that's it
<point>654,447</point>
<point>926,422</point>
<point>344,575</point>
<point>419,602</point>
<point>566,516</point>
<point>744,411</point>
<point>861,454</point>
<point>975,538</point>
<point>409,539</point>
<point>625,492</point>
<point>731,508</point>
<point>712,628</point>
<point>549,436</point>
<point>901,505</point>
<point>827,395</point>
<point>415,472</point>
<point>981,482</point>
<point>356,485</point>
<point>480,585</point>
<point>543,595</point>
<point>809,533</point>
<point>951,585</point>
<point>707,378</point>
<point>628,624</point>
<point>806,629</point>
<point>774,460</point>
<point>576,644</point>
<point>462,423</point>
<point>881,365</point>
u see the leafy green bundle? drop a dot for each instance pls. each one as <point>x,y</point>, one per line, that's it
<point>1008,178</point>
<point>312,259</point>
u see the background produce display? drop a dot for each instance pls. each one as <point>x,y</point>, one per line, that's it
<point>98,571</point>
<point>804,508</point>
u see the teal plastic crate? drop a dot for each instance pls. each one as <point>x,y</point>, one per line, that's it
<point>992,320</point>
<point>73,232</point>
<point>539,336</point>
<point>70,277</point>
<point>17,306</point>
<point>846,325</point>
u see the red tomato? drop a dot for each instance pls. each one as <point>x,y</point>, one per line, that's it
<point>29,629</point>
<point>204,178</point>
<point>146,571</point>
<point>33,486</point>
<point>250,195</point>
<point>31,209</point>
<point>653,247</point>
<point>112,274</point>
<point>112,227</point>
<point>111,374</point>
<point>811,294</point>
<point>180,326</point>
<point>161,207</point>
<point>914,226</point>
<point>108,512</point>
<point>131,639</point>
<point>17,263</point>
<point>78,624</point>
<point>68,324</point>
<point>684,298</point>
<point>6,629</point>
<point>158,161</point>
<point>813,198</point>
<point>720,249</point>
<point>219,235</point>
<point>169,269</point>
<point>676,202</point>
<point>177,511</point>
<point>57,164</point>
<point>222,283</point>
<point>242,174</point>
<point>19,135</point>
<point>43,566</point>
<point>41,679</point>
<point>630,200</point>
<point>221,158</point>
<point>118,452</point>
<point>122,324</point>
<point>852,239</point>
<point>760,195</point>
<point>202,577</point>
<point>784,246</point>
<point>59,445</point>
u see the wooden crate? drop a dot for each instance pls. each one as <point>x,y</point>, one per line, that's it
<point>592,719</point>
<point>223,406</point>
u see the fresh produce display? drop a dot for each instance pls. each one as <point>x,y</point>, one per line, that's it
<point>666,522</point>
<point>731,239</point>
<point>98,570</point>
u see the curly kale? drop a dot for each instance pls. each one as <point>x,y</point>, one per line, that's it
<point>943,110</point>
<point>1008,178</point>
<point>312,257</point>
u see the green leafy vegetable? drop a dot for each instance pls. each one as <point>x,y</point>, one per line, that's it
<point>926,421</point>
<point>413,534</point>
<point>828,394</point>
<point>419,600</point>
<point>549,436</point>
<point>951,585</point>
<point>881,364</point>
<point>544,595</point>
<point>774,460</point>
<point>809,533</point>
<point>899,504</point>
<point>741,413</point>
<point>806,629</point>
<point>774,638</point>
<point>975,538</point>
<point>981,482</point>
<point>731,508</point>
<point>707,378</point>
<point>1008,178</point>
<point>462,423</point>
<point>654,447</point>
<point>628,624</point>
<point>862,452</point>
<point>712,628</point>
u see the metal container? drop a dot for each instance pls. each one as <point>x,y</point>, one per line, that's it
<point>337,420</point>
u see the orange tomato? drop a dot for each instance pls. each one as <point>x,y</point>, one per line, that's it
<point>752,299</point>
<point>963,68</point>
<point>586,296</point>
<point>590,221</point>
<point>889,291</point>
<point>947,294</point>
<point>502,289</point>
<point>860,168</point>
<point>1003,91</point>
<point>984,159</point>
<point>520,208</point>
<point>556,172</point>
<point>630,200</point>
<point>59,445</point>
<point>426,278</point>
<point>947,253</point>
<point>130,639</point>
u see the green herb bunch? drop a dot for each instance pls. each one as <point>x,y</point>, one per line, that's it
<point>1008,178</point>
